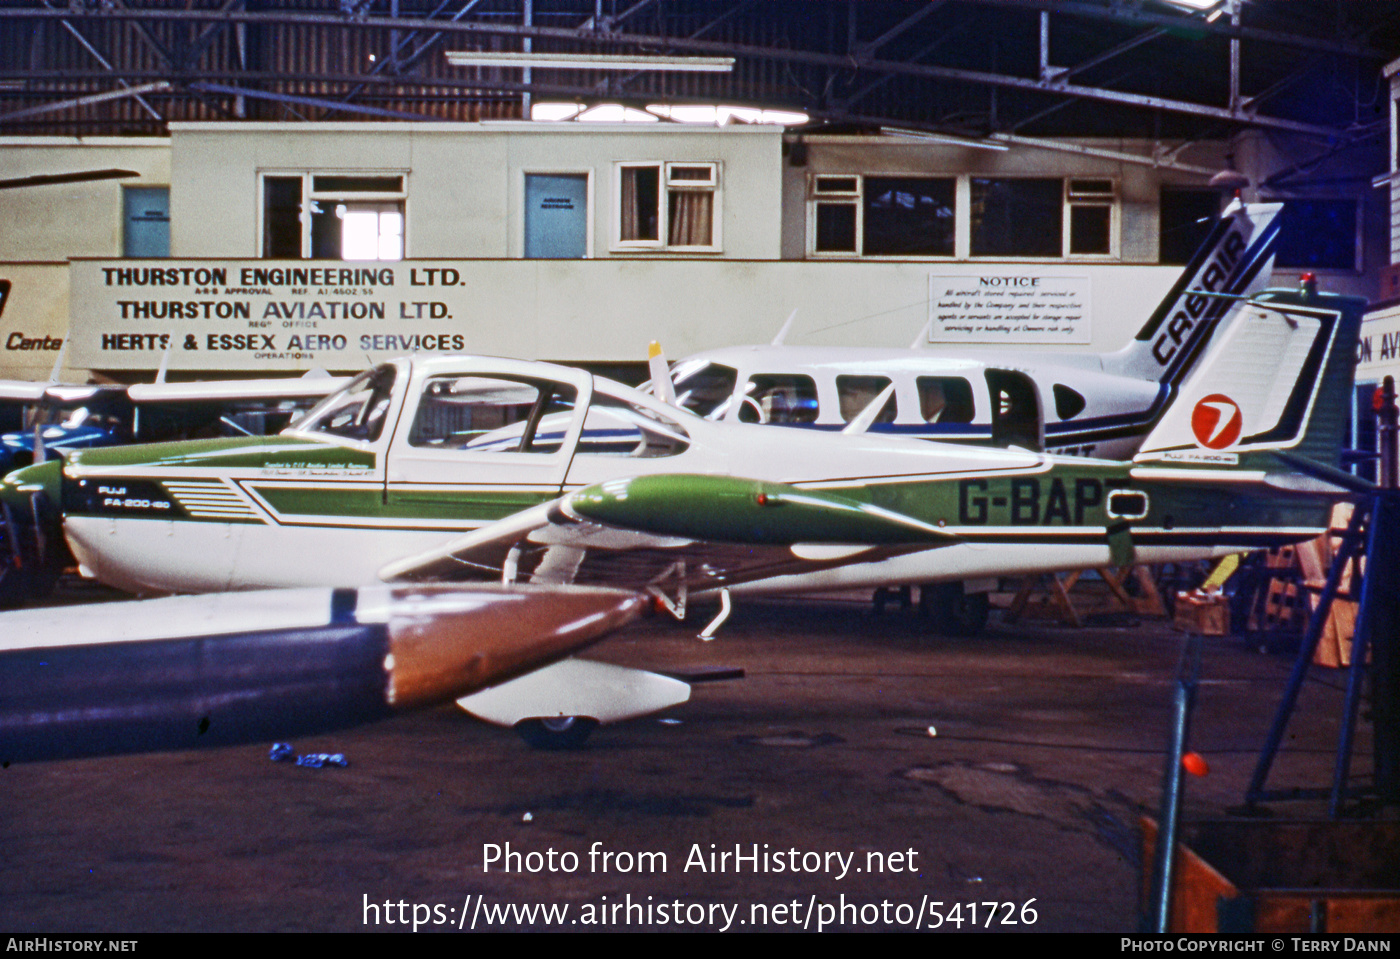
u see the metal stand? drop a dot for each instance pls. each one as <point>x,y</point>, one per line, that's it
<point>1187,676</point>
<point>1377,519</point>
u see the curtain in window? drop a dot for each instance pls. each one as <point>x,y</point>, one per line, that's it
<point>692,218</point>
<point>640,188</point>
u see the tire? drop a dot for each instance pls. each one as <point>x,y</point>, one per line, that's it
<point>953,612</point>
<point>556,732</point>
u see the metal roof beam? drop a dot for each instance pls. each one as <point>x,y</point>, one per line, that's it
<point>833,61</point>
<point>868,49</point>
<point>1128,14</point>
<point>103,60</point>
<point>85,101</point>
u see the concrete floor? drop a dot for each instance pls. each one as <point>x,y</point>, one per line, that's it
<point>1047,744</point>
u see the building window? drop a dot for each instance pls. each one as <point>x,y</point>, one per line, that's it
<point>668,206</point>
<point>909,216</point>
<point>1014,217</point>
<point>835,214</point>
<point>338,216</point>
<point>1185,218</point>
<point>883,215</point>
<point>1091,204</point>
<point>916,216</point>
<point>1051,218</point>
<point>1316,234</point>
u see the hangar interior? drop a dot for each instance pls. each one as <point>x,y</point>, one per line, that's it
<point>897,137</point>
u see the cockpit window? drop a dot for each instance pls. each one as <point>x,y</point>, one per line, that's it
<point>779,398</point>
<point>704,388</point>
<point>618,428</point>
<point>489,414</point>
<point>858,392</point>
<point>358,411</point>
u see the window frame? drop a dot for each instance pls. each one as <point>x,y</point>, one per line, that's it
<point>1111,198</point>
<point>310,194</point>
<point>666,185</point>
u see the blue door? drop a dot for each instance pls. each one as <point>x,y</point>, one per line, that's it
<point>145,222</point>
<point>556,216</point>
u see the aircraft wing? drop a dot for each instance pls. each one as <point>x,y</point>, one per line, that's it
<point>215,390</point>
<point>697,531</point>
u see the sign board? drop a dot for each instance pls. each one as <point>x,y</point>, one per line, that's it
<point>1008,308</point>
<point>1378,351</point>
<point>260,314</point>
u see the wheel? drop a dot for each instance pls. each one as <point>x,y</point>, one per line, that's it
<point>953,612</point>
<point>556,732</point>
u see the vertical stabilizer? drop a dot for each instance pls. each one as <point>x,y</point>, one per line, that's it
<point>1278,380</point>
<point>1236,260</point>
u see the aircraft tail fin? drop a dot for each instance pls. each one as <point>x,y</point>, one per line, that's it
<point>1279,381</point>
<point>1235,261</point>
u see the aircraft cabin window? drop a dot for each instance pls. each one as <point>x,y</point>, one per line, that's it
<point>780,399</point>
<point>358,411</point>
<point>705,390</point>
<point>618,428</point>
<point>1068,403</point>
<point>858,392</point>
<point>488,414</point>
<point>945,399</point>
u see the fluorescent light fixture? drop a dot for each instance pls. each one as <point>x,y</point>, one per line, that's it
<point>698,114</point>
<point>590,61</point>
<point>554,112</point>
<point>719,114</point>
<point>615,113</point>
<point>943,138</point>
<point>1194,4</point>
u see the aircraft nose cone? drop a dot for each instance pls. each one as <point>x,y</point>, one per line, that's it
<point>447,641</point>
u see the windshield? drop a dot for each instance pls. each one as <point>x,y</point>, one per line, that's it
<point>72,417</point>
<point>358,411</point>
<point>704,388</point>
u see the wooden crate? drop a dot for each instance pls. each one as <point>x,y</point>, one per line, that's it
<point>1239,876</point>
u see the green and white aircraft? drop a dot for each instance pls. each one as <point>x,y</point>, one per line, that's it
<point>469,468</point>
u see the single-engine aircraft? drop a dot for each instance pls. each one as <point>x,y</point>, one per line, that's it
<point>189,671</point>
<point>472,468</point>
<point>1085,404</point>
<point>57,417</point>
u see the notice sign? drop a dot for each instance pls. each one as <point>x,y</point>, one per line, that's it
<point>1012,308</point>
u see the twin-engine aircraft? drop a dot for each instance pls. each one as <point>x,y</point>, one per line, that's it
<point>477,469</point>
<point>1085,404</point>
<point>1080,404</point>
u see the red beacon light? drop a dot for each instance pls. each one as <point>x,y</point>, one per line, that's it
<point>1307,284</point>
